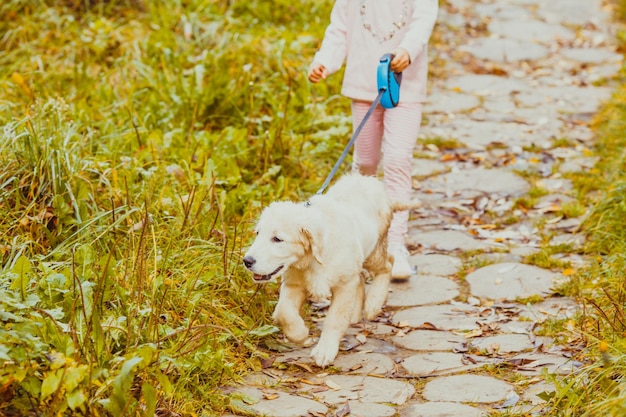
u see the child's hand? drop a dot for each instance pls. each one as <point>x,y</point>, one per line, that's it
<point>317,72</point>
<point>401,60</point>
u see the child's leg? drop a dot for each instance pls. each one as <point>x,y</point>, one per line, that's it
<point>367,148</point>
<point>401,125</point>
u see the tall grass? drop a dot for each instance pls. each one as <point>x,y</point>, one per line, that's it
<point>139,142</point>
<point>600,389</point>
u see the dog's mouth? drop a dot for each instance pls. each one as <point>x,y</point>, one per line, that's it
<point>263,278</point>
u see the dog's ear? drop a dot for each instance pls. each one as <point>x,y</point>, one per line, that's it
<point>311,243</point>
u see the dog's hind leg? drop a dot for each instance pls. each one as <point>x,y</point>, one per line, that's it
<point>336,322</point>
<point>379,266</point>
<point>359,299</point>
<point>287,312</point>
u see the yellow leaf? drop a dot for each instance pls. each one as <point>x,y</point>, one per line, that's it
<point>333,385</point>
<point>473,333</point>
<point>17,78</point>
<point>603,346</point>
<point>569,271</point>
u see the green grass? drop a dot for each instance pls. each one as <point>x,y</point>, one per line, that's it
<point>599,389</point>
<point>140,141</point>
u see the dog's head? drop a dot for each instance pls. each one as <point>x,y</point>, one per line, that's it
<point>286,236</point>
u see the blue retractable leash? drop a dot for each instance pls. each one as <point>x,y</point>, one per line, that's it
<point>388,97</point>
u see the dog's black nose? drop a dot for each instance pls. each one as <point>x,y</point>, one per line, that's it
<point>248,261</point>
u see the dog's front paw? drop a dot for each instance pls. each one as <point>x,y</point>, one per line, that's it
<point>297,333</point>
<point>371,311</point>
<point>324,355</point>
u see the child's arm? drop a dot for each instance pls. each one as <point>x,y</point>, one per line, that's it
<point>401,60</point>
<point>419,29</point>
<point>332,53</point>
<point>317,72</point>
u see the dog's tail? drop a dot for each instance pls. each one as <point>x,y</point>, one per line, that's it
<point>399,206</point>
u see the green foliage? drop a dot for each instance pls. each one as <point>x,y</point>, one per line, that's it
<point>599,388</point>
<point>140,141</point>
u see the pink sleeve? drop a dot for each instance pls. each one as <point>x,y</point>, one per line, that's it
<point>333,51</point>
<point>420,27</point>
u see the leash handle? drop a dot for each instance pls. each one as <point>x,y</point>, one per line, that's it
<point>388,82</point>
<point>350,143</point>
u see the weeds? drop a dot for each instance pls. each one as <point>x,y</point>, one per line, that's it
<point>140,140</point>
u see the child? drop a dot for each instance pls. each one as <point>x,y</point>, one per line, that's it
<point>359,33</point>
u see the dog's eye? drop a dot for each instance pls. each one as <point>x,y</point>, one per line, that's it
<point>276,239</point>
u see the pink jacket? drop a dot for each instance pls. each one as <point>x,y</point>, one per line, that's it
<point>361,31</point>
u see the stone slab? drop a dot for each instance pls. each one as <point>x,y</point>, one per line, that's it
<point>591,55</point>
<point>501,11</point>
<point>366,389</point>
<point>364,363</point>
<point>478,134</point>
<point>422,290</point>
<point>510,281</point>
<point>540,362</point>
<point>490,181</point>
<point>573,12</point>
<point>487,84</point>
<point>283,404</point>
<point>361,409</point>
<point>467,388</point>
<point>426,167</point>
<point>436,264</point>
<point>436,363</point>
<point>505,50</point>
<point>530,31</point>
<point>450,102</point>
<point>448,240</point>
<point>503,343</point>
<point>444,317</point>
<point>441,409</point>
<point>428,340</point>
<point>554,308</point>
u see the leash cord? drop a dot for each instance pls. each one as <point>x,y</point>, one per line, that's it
<point>351,142</point>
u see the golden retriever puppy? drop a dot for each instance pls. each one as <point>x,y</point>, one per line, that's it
<point>320,249</point>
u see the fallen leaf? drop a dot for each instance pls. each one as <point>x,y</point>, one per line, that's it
<point>473,301</point>
<point>361,338</point>
<point>333,385</point>
<point>428,326</point>
<point>554,220</point>
<point>304,366</point>
<point>511,399</point>
<point>356,366</point>
<point>473,333</point>
<point>267,362</point>
<point>309,382</point>
<point>270,396</point>
<point>344,411</point>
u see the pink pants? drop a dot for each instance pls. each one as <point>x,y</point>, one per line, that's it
<point>390,135</point>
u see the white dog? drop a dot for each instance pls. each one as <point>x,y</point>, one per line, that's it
<point>320,249</point>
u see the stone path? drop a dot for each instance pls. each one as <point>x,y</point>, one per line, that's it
<point>518,81</point>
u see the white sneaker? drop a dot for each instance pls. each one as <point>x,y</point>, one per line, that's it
<point>402,269</point>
